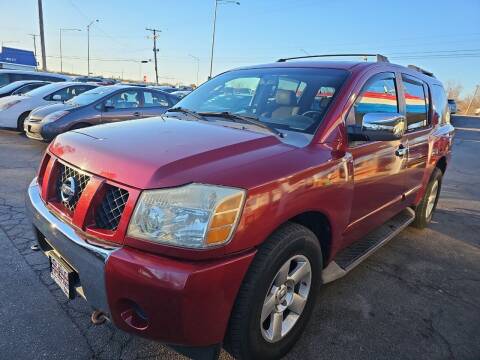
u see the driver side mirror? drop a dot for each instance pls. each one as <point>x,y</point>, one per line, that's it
<point>383,126</point>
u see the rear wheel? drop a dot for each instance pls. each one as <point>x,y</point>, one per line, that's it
<point>21,121</point>
<point>424,210</point>
<point>277,296</point>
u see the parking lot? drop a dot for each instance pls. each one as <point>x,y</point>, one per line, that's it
<point>416,298</point>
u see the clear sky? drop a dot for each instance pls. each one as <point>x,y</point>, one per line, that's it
<point>441,36</point>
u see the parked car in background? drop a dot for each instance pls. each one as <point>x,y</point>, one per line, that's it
<point>218,223</point>
<point>21,87</point>
<point>14,109</point>
<point>452,105</point>
<point>101,105</point>
<point>9,76</point>
<point>181,93</point>
<point>97,80</point>
<point>168,89</point>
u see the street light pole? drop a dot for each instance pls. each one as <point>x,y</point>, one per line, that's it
<point>214,28</point>
<point>88,45</point>
<point>61,58</point>
<point>197,59</point>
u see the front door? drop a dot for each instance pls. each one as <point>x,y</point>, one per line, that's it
<point>378,166</point>
<point>123,105</point>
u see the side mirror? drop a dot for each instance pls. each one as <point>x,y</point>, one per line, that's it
<point>383,126</point>
<point>57,97</point>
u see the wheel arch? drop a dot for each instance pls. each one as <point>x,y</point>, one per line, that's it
<point>442,164</point>
<point>318,223</point>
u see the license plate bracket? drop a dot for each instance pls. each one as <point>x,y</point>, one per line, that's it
<point>63,275</point>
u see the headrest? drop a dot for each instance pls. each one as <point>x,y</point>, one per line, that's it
<point>285,97</point>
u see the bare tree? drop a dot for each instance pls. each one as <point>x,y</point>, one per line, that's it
<point>454,89</point>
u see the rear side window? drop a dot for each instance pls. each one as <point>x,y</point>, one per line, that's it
<point>155,99</point>
<point>379,95</point>
<point>416,104</point>
<point>440,105</point>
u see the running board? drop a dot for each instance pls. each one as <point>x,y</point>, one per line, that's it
<point>353,255</point>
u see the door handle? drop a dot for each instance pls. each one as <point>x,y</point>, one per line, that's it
<point>136,113</point>
<point>401,151</point>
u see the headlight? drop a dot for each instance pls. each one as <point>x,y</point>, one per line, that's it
<point>192,216</point>
<point>9,104</point>
<point>54,116</point>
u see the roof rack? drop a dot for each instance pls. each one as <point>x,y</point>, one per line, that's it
<point>380,58</point>
<point>423,71</point>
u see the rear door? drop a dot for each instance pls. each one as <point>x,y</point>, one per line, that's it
<point>154,103</point>
<point>419,127</point>
<point>378,167</point>
<point>123,105</point>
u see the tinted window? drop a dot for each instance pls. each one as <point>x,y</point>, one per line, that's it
<point>415,103</point>
<point>379,95</point>
<point>124,100</point>
<point>153,98</point>
<point>27,88</point>
<point>281,97</point>
<point>4,79</point>
<point>439,103</point>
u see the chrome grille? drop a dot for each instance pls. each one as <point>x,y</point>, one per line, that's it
<point>111,209</point>
<point>81,180</point>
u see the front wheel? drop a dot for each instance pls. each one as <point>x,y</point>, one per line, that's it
<point>277,296</point>
<point>424,210</point>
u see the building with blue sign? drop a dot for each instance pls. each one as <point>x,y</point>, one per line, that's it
<point>17,59</point>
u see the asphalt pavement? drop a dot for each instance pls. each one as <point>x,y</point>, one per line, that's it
<point>416,298</point>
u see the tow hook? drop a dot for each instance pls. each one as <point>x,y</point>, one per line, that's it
<point>98,317</point>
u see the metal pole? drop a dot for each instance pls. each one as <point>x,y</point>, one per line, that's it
<point>42,35</point>
<point>88,50</point>
<point>34,36</point>
<point>155,50</point>
<point>473,98</point>
<point>213,39</point>
<point>197,59</point>
<point>61,60</point>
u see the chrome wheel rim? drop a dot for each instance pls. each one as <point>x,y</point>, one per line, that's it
<point>286,298</point>
<point>431,198</point>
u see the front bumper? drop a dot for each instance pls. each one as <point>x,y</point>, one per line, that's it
<point>33,130</point>
<point>173,301</point>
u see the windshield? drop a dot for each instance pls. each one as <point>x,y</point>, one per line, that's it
<point>90,96</point>
<point>291,99</point>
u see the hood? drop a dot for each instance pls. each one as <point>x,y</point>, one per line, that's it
<point>40,112</point>
<point>161,152</point>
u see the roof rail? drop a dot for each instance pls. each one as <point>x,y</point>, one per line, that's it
<point>423,71</point>
<point>380,58</point>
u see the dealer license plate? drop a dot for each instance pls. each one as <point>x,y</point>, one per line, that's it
<point>63,275</point>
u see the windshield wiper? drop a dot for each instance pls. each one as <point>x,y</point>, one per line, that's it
<point>244,118</point>
<point>188,112</point>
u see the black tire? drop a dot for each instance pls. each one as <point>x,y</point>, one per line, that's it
<point>21,121</point>
<point>422,216</point>
<point>244,338</point>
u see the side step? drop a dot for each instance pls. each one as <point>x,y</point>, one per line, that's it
<point>353,255</point>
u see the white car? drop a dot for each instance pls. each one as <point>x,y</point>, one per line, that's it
<point>15,109</point>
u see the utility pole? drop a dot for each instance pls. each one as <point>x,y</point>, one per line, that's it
<point>473,98</point>
<point>88,45</point>
<point>42,35</point>
<point>155,50</point>
<point>197,59</point>
<point>34,37</point>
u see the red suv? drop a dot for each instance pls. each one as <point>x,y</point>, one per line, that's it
<point>217,223</point>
